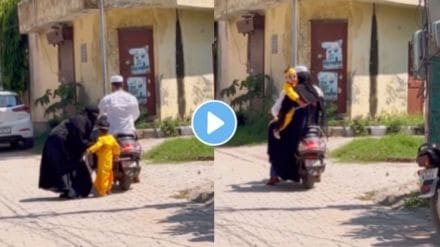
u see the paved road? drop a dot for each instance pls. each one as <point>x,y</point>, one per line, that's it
<point>248,213</point>
<point>147,215</point>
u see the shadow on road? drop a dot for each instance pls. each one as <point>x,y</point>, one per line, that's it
<point>339,207</point>
<point>260,186</point>
<point>8,152</point>
<point>43,199</point>
<point>195,219</point>
<point>395,228</point>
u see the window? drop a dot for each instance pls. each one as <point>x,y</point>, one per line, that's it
<point>9,101</point>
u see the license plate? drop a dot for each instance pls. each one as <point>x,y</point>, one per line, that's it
<point>428,174</point>
<point>428,179</point>
<point>313,163</point>
<point>129,164</point>
<point>5,131</point>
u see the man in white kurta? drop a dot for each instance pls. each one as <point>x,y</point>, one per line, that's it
<point>121,108</point>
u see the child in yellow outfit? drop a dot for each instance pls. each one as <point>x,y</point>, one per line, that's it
<point>288,99</point>
<point>107,149</point>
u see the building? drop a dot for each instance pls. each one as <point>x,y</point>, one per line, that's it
<point>358,50</point>
<point>162,48</point>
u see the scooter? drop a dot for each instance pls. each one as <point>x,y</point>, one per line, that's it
<point>126,168</point>
<point>428,157</point>
<point>311,156</point>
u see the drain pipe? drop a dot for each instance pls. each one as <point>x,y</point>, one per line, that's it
<point>103,45</point>
<point>294,31</point>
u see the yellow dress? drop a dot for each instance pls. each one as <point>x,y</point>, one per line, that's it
<point>293,95</point>
<point>106,148</point>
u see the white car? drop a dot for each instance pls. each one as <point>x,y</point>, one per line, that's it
<point>15,121</point>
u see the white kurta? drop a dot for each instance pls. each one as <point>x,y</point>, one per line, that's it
<point>122,110</point>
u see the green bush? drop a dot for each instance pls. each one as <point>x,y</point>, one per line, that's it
<point>169,126</point>
<point>359,126</point>
<point>331,112</point>
<point>255,88</point>
<point>252,118</point>
<point>61,102</point>
<point>395,121</point>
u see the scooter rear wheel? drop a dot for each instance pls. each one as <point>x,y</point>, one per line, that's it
<point>308,181</point>
<point>125,182</point>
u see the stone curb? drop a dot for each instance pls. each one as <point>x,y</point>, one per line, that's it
<point>158,133</point>
<point>347,131</point>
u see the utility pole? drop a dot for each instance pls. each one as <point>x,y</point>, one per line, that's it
<point>103,45</point>
<point>294,30</point>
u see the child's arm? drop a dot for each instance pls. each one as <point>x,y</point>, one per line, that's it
<point>292,94</point>
<point>95,147</point>
<point>116,150</point>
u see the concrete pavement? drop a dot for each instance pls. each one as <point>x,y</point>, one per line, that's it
<point>249,213</point>
<point>147,215</point>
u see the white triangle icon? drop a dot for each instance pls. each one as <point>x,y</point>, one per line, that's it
<point>214,123</point>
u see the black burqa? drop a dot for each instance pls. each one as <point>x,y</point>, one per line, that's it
<point>62,168</point>
<point>282,152</point>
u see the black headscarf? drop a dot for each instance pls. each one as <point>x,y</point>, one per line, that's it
<point>92,112</point>
<point>305,88</point>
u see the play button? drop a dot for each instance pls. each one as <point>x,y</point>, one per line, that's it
<point>214,123</point>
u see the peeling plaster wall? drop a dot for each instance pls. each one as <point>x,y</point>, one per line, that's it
<point>232,54</point>
<point>398,25</point>
<point>230,8</point>
<point>198,36</point>
<point>163,23</point>
<point>88,73</point>
<point>395,26</point>
<point>44,67</point>
<point>197,33</point>
<point>278,23</point>
<point>38,13</point>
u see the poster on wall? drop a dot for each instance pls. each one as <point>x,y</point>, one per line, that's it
<point>138,87</point>
<point>333,55</point>
<point>328,81</point>
<point>141,61</point>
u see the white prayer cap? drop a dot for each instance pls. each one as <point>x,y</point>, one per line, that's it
<point>301,68</point>
<point>117,79</point>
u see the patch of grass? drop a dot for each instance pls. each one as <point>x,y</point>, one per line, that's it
<point>251,130</point>
<point>248,135</point>
<point>388,148</point>
<point>183,194</point>
<point>414,201</point>
<point>39,140</point>
<point>368,196</point>
<point>145,125</point>
<point>180,150</point>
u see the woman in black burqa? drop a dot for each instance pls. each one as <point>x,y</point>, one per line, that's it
<point>62,169</point>
<point>282,152</point>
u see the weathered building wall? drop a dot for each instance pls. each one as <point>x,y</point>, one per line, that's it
<point>395,28</point>
<point>277,21</point>
<point>44,68</point>
<point>395,24</point>
<point>232,54</point>
<point>197,37</point>
<point>87,58</point>
<point>38,14</point>
<point>358,16</point>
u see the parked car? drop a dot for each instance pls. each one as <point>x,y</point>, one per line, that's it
<point>15,121</point>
